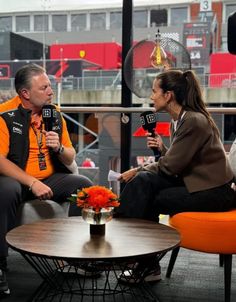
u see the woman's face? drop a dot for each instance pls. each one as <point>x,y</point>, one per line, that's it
<point>160,99</point>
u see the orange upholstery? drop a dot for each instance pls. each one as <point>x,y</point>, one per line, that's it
<point>207,232</point>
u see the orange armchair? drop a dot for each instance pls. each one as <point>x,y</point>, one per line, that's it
<point>209,233</point>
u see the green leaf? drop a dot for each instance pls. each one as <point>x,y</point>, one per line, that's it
<point>73,198</point>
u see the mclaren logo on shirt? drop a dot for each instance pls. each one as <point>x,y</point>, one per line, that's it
<point>17,127</point>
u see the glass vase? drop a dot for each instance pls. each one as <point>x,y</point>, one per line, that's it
<point>97,220</point>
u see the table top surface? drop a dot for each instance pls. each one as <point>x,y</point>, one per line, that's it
<point>70,238</point>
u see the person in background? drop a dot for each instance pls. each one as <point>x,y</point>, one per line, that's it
<point>193,174</point>
<point>33,162</point>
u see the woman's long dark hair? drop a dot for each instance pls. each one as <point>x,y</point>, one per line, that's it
<point>187,91</point>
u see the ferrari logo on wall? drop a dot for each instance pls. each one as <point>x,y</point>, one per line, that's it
<point>82,53</point>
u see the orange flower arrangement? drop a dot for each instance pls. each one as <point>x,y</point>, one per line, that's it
<point>96,197</point>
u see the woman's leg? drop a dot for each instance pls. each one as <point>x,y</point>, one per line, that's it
<point>176,200</point>
<point>138,195</point>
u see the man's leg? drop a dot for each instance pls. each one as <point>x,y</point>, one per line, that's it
<point>10,192</point>
<point>63,185</point>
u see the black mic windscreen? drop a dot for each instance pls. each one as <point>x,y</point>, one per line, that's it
<point>49,114</point>
<point>148,120</point>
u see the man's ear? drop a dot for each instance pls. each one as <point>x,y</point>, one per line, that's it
<point>25,94</point>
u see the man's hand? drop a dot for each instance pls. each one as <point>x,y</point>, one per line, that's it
<point>40,190</point>
<point>52,140</point>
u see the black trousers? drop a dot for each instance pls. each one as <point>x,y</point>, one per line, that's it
<point>13,194</point>
<point>147,195</point>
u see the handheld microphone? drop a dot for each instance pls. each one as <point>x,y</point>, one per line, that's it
<point>49,114</point>
<point>148,121</point>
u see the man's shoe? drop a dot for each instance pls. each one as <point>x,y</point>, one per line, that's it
<point>135,276</point>
<point>4,289</point>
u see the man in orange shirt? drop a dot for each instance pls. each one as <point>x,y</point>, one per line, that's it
<point>33,161</point>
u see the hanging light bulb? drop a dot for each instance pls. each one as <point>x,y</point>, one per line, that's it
<point>159,58</point>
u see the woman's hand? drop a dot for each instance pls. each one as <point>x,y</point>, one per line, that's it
<point>154,142</point>
<point>127,175</point>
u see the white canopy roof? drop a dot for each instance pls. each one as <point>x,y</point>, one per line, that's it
<point>25,6</point>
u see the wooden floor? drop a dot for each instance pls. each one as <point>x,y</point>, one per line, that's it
<point>197,277</point>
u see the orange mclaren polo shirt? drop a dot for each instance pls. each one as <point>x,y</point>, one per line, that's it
<point>32,166</point>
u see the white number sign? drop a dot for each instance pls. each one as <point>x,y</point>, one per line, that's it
<point>205,5</point>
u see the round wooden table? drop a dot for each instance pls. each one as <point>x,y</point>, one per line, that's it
<point>58,247</point>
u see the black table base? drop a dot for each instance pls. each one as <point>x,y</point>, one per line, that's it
<point>62,280</point>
